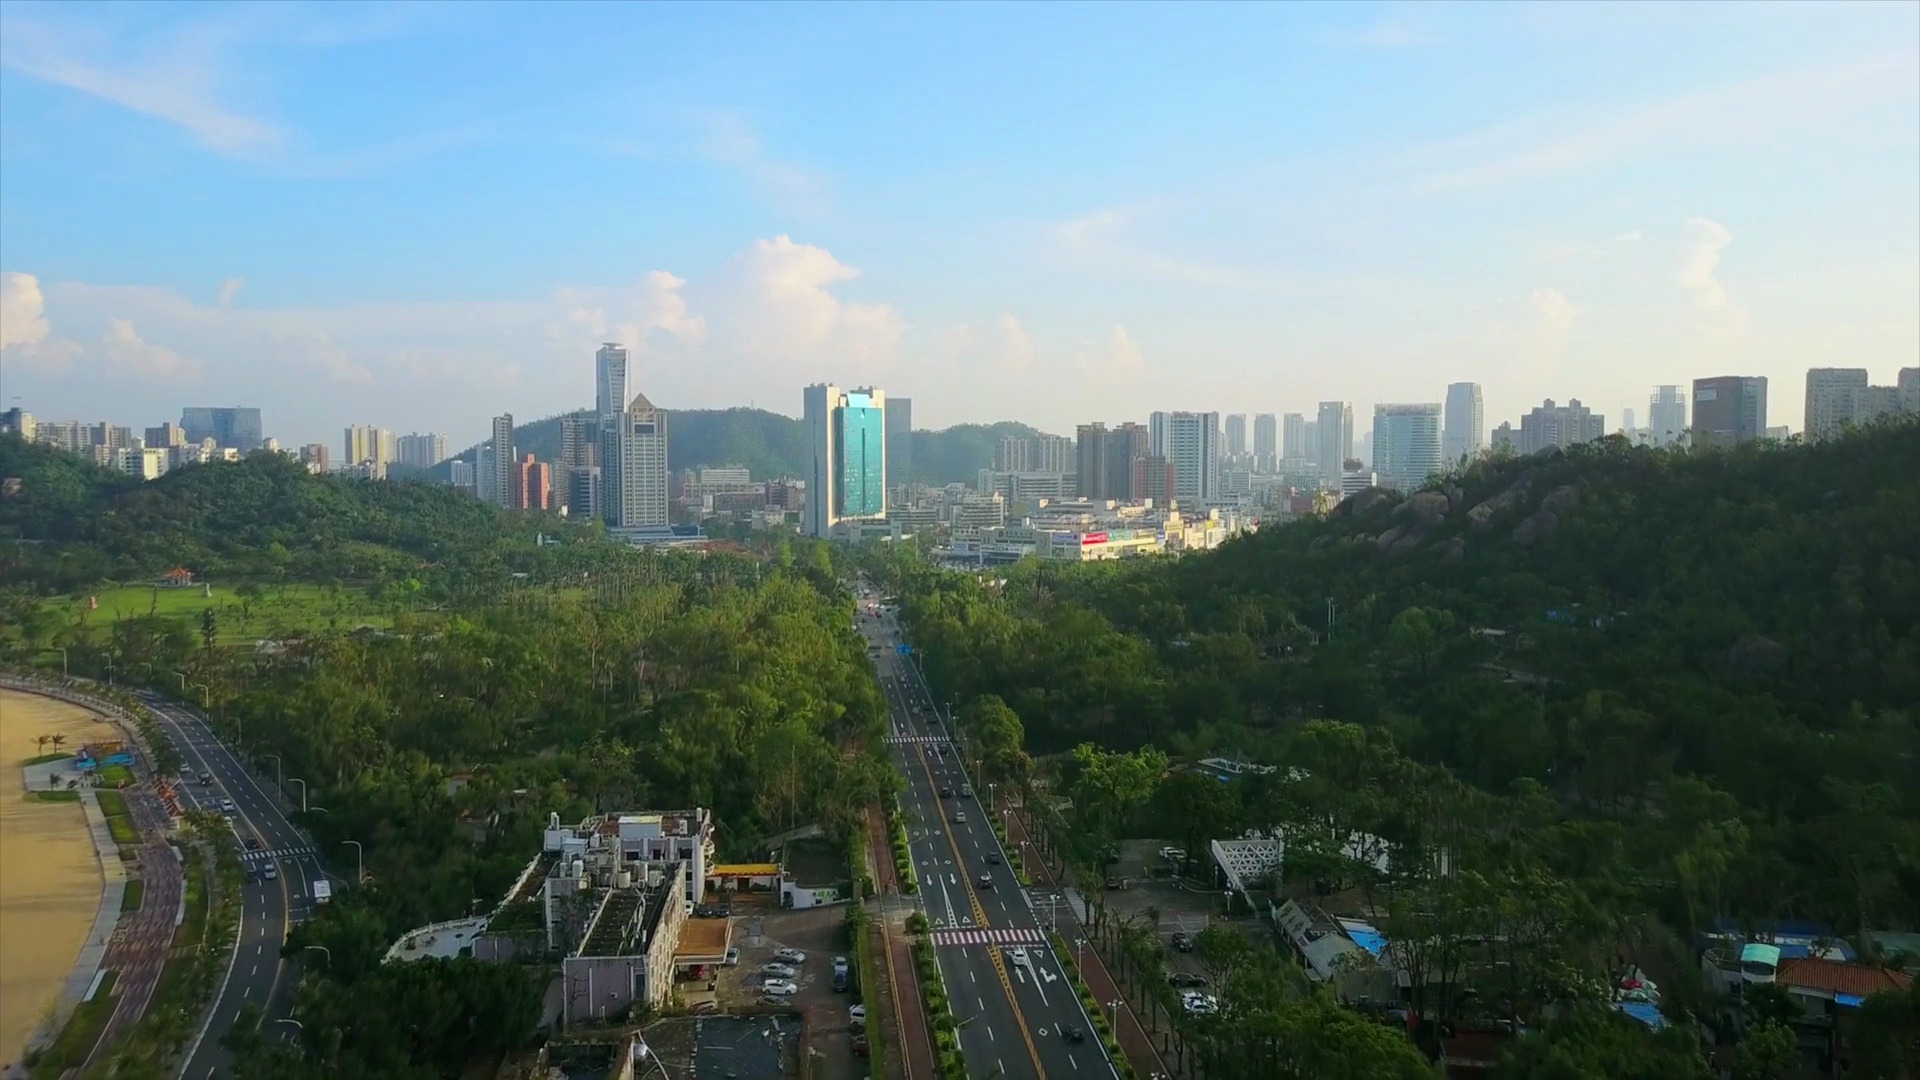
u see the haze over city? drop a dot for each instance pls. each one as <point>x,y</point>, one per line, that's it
<point>421,217</point>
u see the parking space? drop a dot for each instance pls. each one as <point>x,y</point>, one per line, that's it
<point>818,933</point>
<point>1185,906</point>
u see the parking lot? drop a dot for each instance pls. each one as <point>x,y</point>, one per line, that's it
<point>1185,906</point>
<point>820,933</point>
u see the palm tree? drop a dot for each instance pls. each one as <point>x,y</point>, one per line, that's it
<point>43,743</point>
<point>57,740</point>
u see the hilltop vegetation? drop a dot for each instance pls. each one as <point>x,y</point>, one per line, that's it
<point>1626,692</point>
<point>772,445</point>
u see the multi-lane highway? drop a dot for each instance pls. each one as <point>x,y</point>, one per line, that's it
<point>269,904</point>
<point>1019,1014</point>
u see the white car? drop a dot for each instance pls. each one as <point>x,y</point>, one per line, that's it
<point>1019,956</point>
<point>779,971</point>
<point>858,1014</point>
<point>790,956</point>
<point>733,957</point>
<point>782,988</point>
<point>1200,1004</point>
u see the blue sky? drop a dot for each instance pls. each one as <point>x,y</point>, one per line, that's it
<point>418,216</point>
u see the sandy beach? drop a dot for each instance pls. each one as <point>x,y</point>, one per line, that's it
<point>49,878</point>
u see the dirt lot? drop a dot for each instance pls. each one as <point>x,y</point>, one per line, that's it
<point>821,934</point>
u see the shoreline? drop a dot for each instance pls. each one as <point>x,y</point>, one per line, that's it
<point>113,887</point>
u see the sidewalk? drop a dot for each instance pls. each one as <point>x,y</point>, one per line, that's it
<point>913,1059</point>
<point>1135,1042</point>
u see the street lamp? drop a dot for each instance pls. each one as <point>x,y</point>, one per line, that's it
<point>323,949</point>
<point>303,791</point>
<point>360,873</point>
<point>279,783</point>
<point>1114,1007</point>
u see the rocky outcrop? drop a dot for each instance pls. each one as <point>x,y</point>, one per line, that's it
<point>1455,550</point>
<point>1425,507</point>
<point>1536,528</point>
<point>1405,537</point>
<point>1481,516</point>
<point>1362,501</point>
<point>1561,499</point>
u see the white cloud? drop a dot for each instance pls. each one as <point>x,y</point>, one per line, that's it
<point>23,311</point>
<point>728,138</point>
<point>1002,345</point>
<point>1554,311</point>
<point>126,353</point>
<point>1702,241</point>
<point>230,290</point>
<point>777,305</point>
<point>1115,357</point>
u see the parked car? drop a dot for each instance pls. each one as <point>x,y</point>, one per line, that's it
<point>858,1014</point>
<point>1173,854</point>
<point>1200,1004</point>
<point>779,971</point>
<point>1185,980</point>
<point>782,988</point>
<point>859,1046</point>
<point>790,956</point>
<point>840,975</point>
<point>1181,941</point>
<point>733,957</point>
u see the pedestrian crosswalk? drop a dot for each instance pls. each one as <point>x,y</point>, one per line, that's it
<point>293,851</point>
<point>914,740</point>
<point>989,937</point>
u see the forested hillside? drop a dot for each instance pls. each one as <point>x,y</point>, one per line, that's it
<point>1629,692</point>
<point>71,524</point>
<point>773,445</point>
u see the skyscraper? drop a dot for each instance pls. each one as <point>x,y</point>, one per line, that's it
<point>1014,453</point>
<point>1236,431</point>
<point>1406,444</point>
<point>846,434</point>
<point>609,379</point>
<point>1295,441</point>
<point>1127,444</point>
<point>1729,410</point>
<point>1834,400</point>
<point>1335,434</point>
<point>1466,424</point>
<point>1266,443</point>
<point>499,462</point>
<point>1090,460</point>
<point>235,426</point>
<point>1626,423</point>
<point>1190,441</point>
<point>1560,425</point>
<point>900,441</point>
<point>1052,453</point>
<point>421,450</point>
<point>1666,415</point>
<point>633,467</point>
<point>575,477</point>
<point>366,445</point>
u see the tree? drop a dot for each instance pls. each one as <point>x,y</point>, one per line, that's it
<point>209,630</point>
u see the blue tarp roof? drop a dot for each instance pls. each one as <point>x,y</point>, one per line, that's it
<point>1368,938</point>
<point>1645,1012</point>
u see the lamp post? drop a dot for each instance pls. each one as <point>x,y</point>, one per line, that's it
<point>303,791</point>
<point>360,853</point>
<point>324,949</point>
<point>277,781</point>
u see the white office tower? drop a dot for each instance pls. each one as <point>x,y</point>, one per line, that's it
<point>1053,453</point>
<point>422,450</point>
<point>1355,478</point>
<point>499,461</point>
<point>1266,443</point>
<point>1667,416</point>
<point>847,456</point>
<point>1406,445</point>
<point>1334,437</point>
<point>1190,441</point>
<point>1626,425</point>
<point>1296,437</point>
<point>1834,397</point>
<point>1465,431</point>
<point>1236,432</point>
<point>609,379</point>
<point>633,467</point>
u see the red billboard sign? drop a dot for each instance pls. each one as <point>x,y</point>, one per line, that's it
<point>1093,538</point>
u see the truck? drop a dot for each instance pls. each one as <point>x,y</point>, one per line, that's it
<point>322,891</point>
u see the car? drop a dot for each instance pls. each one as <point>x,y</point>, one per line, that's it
<point>270,872</point>
<point>1181,941</point>
<point>959,817</point>
<point>986,881</point>
<point>1072,1033</point>
<point>1019,956</point>
<point>782,988</point>
<point>966,790</point>
<point>1116,884</point>
<point>206,779</point>
<point>946,793</point>
<point>839,964</point>
<point>857,1014</point>
<point>859,1046</point>
<point>1173,854</point>
<point>993,858</point>
<point>790,956</point>
<point>733,957</point>
<point>779,971</point>
<point>1200,1004</point>
<point>253,843</point>
<point>1185,980</point>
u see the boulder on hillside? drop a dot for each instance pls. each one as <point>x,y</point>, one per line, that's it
<point>1455,550</point>
<point>1405,537</point>
<point>1362,501</point>
<point>1536,528</point>
<point>1425,507</point>
<point>1562,498</point>
<point>1481,516</point>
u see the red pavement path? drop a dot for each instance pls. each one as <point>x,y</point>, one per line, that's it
<point>1135,1043</point>
<point>915,1061</point>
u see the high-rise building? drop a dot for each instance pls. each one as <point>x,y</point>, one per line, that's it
<point>899,441</point>
<point>1560,425</point>
<point>1666,415</point>
<point>1908,384</point>
<point>634,492</point>
<point>1335,433</point>
<point>367,447</point>
<point>1465,434</point>
<point>1190,441</point>
<point>1406,444</point>
<point>1013,454</point>
<point>1729,410</point>
<point>1626,423</point>
<point>609,379</point>
<point>235,426</point>
<point>847,435</point>
<point>166,437</point>
<point>1090,462</point>
<point>1052,453</point>
<point>315,457</point>
<point>579,450</point>
<point>421,450</point>
<point>499,462</point>
<point>19,422</point>
<point>1156,478</point>
<point>460,473</point>
<point>1236,432</point>
<point>530,485</point>
<point>111,436</point>
<point>1834,400</point>
<point>1266,443</point>
<point>1355,477</point>
<point>1127,444</point>
<point>1295,440</point>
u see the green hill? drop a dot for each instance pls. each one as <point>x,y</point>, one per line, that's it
<point>772,445</point>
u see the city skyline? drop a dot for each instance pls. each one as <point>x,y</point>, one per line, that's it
<point>1745,208</point>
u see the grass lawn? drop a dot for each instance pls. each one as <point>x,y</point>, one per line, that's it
<point>114,775</point>
<point>193,926</point>
<point>278,610</point>
<point>83,1029</point>
<point>112,803</point>
<point>136,892</point>
<point>44,758</point>
<point>54,796</point>
<point>114,806</point>
<point>123,831</point>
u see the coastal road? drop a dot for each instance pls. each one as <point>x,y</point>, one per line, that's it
<point>268,909</point>
<point>1016,1004</point>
